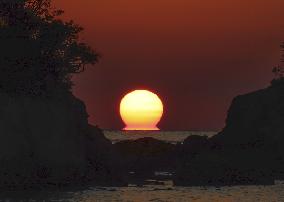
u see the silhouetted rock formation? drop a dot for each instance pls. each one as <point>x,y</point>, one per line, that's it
<point>248,151</point>
<point>193,145</point>
<point>255,127</point>
<point>146,155</point>
<point>105,166</point>
<point>45,137</point>
<point>47,140</point>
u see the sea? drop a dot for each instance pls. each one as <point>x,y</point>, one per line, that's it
<point>167,136</point>
<point>153,192</point>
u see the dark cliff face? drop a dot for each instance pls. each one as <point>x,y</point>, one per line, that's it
<point>249,150</point>
<point>105,166</point>
<point>49,140</point>
<point>256,116</point>
<point>255,129</point>
<point>44,135</point>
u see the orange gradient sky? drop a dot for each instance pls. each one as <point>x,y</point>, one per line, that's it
<point>196,54</point>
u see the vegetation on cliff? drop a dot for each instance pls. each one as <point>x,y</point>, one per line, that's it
<point>39,52</point>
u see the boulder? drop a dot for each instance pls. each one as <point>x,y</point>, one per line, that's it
<point>146,155</point>
<point>105,167</point>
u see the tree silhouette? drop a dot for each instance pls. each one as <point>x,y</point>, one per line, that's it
<point>278,71</point>
<point>39,53</point>
<point>282,55</point>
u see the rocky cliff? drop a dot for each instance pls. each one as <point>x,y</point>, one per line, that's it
<point>256,116</point>
<point>46,140</point>
<point>249,150</point>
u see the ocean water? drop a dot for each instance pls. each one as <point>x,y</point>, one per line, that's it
<point>167,136</point>
<point>164,192</point>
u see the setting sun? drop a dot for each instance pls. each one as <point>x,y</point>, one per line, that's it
<point>141,110</point>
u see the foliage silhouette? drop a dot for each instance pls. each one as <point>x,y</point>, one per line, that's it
<point>278,71</point>
<point>282,46</point>
<point>39,52</point>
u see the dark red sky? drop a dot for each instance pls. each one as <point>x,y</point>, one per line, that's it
<point>197,55</point>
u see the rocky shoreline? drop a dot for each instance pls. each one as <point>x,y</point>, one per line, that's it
<point>248,151</point>
<point>48,142</point>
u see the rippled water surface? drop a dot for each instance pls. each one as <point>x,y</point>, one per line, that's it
<point>167,136</point>
<point>157,193</point>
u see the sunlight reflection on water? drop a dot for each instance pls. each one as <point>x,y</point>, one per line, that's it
<point>165,193</point>
<point>225,194</point>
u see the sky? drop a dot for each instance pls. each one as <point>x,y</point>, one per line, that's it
<point>196,55</point>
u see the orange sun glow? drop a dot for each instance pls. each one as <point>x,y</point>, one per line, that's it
<point>141,110</point>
